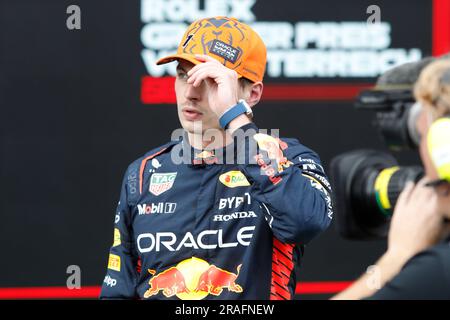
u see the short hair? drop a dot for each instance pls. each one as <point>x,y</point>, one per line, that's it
<point>433,87</point>
<point>244,82</point>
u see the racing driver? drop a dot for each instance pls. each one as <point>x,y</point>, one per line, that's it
<point>207,216</point>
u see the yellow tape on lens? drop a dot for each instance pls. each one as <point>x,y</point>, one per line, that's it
<point>381,187</point>
<point>439,147</point>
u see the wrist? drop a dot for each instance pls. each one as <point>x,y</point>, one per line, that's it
<point>396,256</point>
<point>238,122</point>
<point>236,115</point>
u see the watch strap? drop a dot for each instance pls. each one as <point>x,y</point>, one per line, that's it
<point>231,114</point>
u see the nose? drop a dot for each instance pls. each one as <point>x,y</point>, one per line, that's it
<point>192,93</point>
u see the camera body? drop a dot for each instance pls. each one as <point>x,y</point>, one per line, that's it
<point>396,115</point>
<point>366,186</point>
<point>367,183</point>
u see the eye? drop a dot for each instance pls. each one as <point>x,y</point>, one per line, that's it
<point>182,75</point>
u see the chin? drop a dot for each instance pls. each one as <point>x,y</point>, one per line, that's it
<point>189,126</point>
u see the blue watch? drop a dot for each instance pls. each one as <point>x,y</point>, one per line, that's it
<point>235,111</point>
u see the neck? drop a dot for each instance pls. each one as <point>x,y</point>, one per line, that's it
<point>201,141</point>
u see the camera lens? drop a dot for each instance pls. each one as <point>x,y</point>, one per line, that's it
<point>390,182</point>
<point>367,184</point>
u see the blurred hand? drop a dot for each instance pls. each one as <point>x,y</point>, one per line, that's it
<point>416,223</point>
<point>222,82</point>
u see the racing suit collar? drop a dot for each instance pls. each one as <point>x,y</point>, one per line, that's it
<point>207,157</point>
<point>228,154</point>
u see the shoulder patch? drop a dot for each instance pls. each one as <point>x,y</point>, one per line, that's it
<point>135,170</point>
<point>142,166</point>
<point>274,148</point>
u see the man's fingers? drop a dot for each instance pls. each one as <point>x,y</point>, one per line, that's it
<point>202,75</point>
<point>204,57</point>
<point>206,61</point>
<point>198,79</point>
<point>195,78</point>
<point>199,66</point>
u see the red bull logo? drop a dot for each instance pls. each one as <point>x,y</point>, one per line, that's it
<point>273,147</point>
<point>170,281</point>
<point>193,279</point>
<point>214,280</point>
<point>205,156</point>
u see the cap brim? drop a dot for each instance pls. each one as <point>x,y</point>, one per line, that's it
<point>178,56</point>
<point>174,57</point>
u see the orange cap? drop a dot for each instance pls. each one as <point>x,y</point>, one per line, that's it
<point>229,41</point>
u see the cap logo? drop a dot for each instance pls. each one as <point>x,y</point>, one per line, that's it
<point>218,22</point>
<point>189,37</point>
<point>225,51</point>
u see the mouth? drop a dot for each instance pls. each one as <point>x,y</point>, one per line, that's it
<point>191,114</point>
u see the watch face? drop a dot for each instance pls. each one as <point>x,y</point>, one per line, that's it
<point>247,107</point>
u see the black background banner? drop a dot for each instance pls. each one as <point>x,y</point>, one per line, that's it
<point>72,119</point>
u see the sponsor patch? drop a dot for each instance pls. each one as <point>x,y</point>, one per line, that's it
<point>274,150</point>
<point>161,207</point>
<point>316,184</point>
<point>169,241</point>
<point>193,279</point>
<point>155,163</point>
<point>110,282</point>
<point>116,237</point>
<point>235,215</point>
<point>205,154</point>
<point>234,202</point>
<point>267,169</point>
<point>132,180</point>
<point>161,182</point>
<point>225,51</point>
<point>234,179</point>
<point>323,181</point>
<point>114,262</point>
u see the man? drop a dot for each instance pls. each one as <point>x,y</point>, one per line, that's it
<point>417,262</point>
<point>207,216</point>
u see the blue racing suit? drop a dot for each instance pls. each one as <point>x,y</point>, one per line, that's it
<point>205,227</point>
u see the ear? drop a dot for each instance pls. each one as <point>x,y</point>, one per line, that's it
<point>255,93</point>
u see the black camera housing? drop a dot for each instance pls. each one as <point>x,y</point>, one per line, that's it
<point>395,116</point>
<point>353,175</point>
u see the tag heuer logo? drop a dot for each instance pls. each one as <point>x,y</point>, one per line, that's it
<point>161,182</point>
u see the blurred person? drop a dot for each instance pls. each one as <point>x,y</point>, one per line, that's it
<point>416,264</point>
<point>203,228</point>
